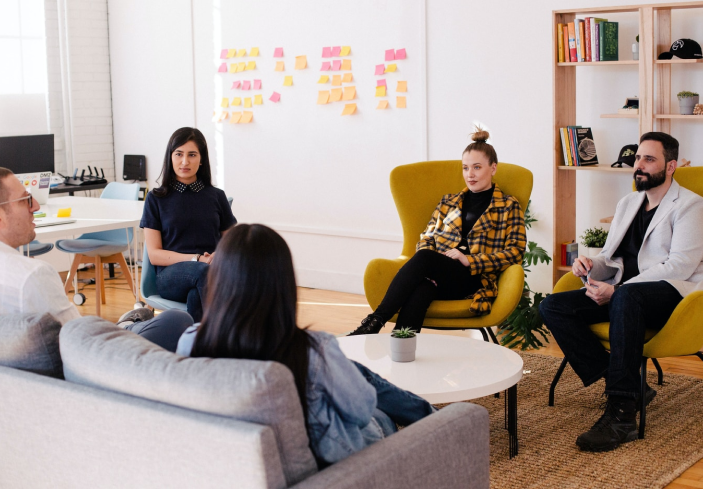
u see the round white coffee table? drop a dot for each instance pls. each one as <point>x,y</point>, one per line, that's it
<point>446,369</point>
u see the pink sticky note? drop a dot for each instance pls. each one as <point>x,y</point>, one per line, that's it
<point>390,54</point>
<point>246,85</point>
<point>380,69</point>
<point>223,53</point>
<point>326,66</point>
<point>257,84</point>
<point>327,52</point>
<point>278,53</point>
<point>337,64</point>
<point>275,97</point>
<point>236,84</point>
<point>400,54</point>
<point>381,82</point>
<point>336,50</point>
<point>222,68</point>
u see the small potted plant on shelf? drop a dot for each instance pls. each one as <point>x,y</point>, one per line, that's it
<point>594,240</point>
<point>687,101</point>
<point>403,345</point>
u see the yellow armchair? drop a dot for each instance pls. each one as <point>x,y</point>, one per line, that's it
<point>417,189</point>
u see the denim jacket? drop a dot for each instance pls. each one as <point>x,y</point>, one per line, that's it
<point>341,403</point>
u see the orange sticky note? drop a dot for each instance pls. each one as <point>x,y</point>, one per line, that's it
<point>323,96</point>
<point>236,101</point>
<point>258,99</point>
<point>234,118</point>
<point>66,212</point>
<point>225,103</point>
<point>349,93</point>
<point>288,81</point>
<point>251,65</point>
<point>233,68</point>
<point>254,52</point>
<point>336,95</point>
<point>241,66</point>
<point>381,91</point>
<point>382,104</point>
<point>301,62</point>
<point>280,66</point>
<point>346,65</point>
<point>323,79</point>
<point>241,53</point>
<point>223,116</point>
<point>402,86</point>
<point>400,102</point>
<point>349,109</point>
<point>247,117</point>
<point>231,53</point>
<point>347,78</point>
<point>391,68</point>
<point>247,102</point>
<point>345,51</point>
<point>336,80</point>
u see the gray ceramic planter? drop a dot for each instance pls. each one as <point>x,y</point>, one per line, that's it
<point>403,349</point>
<point>686,105</point>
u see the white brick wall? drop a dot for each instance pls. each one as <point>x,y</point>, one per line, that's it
<point>77,43</point>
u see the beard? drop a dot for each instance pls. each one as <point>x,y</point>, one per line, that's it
<point>649,181</point>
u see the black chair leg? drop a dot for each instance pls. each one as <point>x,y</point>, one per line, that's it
<point>660,373</point>
<point>555,381</point>
<point>493,335</point>
<point>699,355</point>
<point>484,334</point>
<point>643,401</point>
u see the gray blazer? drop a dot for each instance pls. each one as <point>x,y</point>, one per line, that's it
<point>672,249</point>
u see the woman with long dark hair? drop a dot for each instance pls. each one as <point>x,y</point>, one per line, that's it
<point>184,219</point>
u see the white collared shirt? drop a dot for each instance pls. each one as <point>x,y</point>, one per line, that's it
<point>29,286</point>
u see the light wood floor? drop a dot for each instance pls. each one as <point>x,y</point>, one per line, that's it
<point>339,312</point>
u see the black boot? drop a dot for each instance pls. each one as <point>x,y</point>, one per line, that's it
<point>369,325</point>
<point>617,425</point>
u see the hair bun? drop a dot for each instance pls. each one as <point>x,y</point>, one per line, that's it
<point>480,136</point>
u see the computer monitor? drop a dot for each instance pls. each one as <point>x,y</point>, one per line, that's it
<point>31,158</point>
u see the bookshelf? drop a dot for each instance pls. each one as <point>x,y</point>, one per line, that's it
<point>655,111</point>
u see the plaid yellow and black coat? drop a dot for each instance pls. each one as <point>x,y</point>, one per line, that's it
<point>496,241</point>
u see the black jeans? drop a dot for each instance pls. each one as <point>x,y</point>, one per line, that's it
<point>632,309</point>
<point>411,292</point>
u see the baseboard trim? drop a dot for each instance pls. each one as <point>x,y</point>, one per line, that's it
<point>330,280</point>
<point>342,233</point>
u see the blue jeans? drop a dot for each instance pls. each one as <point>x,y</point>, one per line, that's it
<point>164,329</point>
<point>184,282</point>
<point>632,309</point>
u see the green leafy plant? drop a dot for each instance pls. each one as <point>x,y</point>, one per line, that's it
<point>403,333</point>
<point>522,327</point>
<point>594,237</point>
<point>686,94</point>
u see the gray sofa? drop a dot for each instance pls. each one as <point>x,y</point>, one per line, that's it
<point>130,414</point>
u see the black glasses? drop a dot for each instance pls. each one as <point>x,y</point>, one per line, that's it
<point>26,197</point>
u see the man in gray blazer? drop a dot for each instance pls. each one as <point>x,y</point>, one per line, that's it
<point>652,258</point>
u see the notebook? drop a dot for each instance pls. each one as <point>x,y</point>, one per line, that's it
<point>52,221</point>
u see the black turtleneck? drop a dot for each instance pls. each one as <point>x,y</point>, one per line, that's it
<point>472,208</point>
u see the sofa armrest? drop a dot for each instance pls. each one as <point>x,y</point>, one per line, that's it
<point>449,449</point>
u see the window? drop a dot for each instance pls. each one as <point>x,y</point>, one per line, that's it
<point>22,47</point>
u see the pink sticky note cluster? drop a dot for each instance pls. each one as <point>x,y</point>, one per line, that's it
<point>236,85</point>
<point>390,54</point>
<point>400,54</point>
<point>246,85</point>
<point>278,53</point>
<point>223,53</point>
<point>326,66</point>
<point>336,50</point>
<point>257,84</point>
<point>275,97</point>
<point>222,68</point>
<point>380,69</point>
<point>326,52</point>
<point>381,82</point>
<point>337,64</point>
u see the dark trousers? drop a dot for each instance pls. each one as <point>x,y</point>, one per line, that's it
<point>632,309</point>
<point>184,282</point>
<point>411,292</point>
<point>165,329</point>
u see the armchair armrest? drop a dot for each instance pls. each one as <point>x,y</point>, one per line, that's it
<point>568,282</point>
<point>378,277</point>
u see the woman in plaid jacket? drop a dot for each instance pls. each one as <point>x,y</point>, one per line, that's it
<point>471,237</point>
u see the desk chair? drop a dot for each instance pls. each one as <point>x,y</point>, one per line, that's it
<point>682,335</point>
<point>417,189</point>
<point>36,248</point>
<point>149,292</point>
<point>102,247</point>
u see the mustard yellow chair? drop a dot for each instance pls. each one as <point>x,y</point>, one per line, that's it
<point>417,189</point>
<point>682,334</point>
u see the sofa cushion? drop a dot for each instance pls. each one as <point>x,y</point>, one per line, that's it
<point>31,342</point>
<point>97,353</point>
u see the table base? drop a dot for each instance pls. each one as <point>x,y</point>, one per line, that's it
<point>511,419</point>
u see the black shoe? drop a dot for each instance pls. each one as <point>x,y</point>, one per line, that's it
<point>369,325</point>
<point>617,425</point>
<point>649,394</point>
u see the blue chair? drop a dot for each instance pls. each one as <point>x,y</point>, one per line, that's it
<point>102,247</point>
<point>37,248</point>
<point>149,292</point>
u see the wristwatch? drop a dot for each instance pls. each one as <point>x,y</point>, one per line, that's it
<point>616,286</point>
<point>196,257</point>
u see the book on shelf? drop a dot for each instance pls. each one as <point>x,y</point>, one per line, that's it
<point>595,21</point>
<point>572,42</point>
<point>560,42</point>
<point>588,39</point>
<point>577,40</point>
<point>585,147</point>
<point>608,41</point>
<point>567,52</point>
<point>564,146</point>
<point>571,130</point>
<point>582,38</point>
<point>572,252</point>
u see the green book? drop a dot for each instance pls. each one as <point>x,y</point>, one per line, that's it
<point>608,41</point>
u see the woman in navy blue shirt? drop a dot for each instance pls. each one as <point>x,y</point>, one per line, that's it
<point>184,219</point>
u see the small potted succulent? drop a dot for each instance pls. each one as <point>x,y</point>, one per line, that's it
<point>687,101</point>
<point>594,240</point>
<point>403,345</point>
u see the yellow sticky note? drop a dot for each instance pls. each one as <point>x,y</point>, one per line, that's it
<point>336,80</point>
<point>64,212</point>
<point>402,86</point>
<point>247,102</point>
<point>347,78</point>
<point>251,65</point>
<point>346,65</point>
<point>301,62</point>
<point>382,104</point>
<point>241,53</point>
<point>381,91</point>
<point>241,66</point>
<point>254,52</point>
<point>225,103</point>
<point>247,117</point>
<point>288,81</point>
<point>336,95</point>
<point>349,93</point>
<point>280,66</point>
<point>231,53</point>
<point>400,102</point>
<point>323,96</point>
<point>391,68</point>
<point>233,68</point>
<point>349,109</point>
<point>323,79</point>
<point>236,101</point>
<point>258,99</point>
<point>345,51</point>
<point>234,118</point>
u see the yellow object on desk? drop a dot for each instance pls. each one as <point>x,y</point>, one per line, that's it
<point>64,212</point>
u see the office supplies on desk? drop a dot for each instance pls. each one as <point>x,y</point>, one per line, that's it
<point>52,221</point>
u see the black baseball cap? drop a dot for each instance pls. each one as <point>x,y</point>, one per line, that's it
<point>627,156</point>
<point>684,49</point>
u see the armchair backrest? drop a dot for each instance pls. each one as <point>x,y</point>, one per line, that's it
<point>417,188</point>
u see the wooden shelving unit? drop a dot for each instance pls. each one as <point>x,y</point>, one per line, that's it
<point>654,109</point>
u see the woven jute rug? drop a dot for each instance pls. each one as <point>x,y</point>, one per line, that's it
<point>548,456</point>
